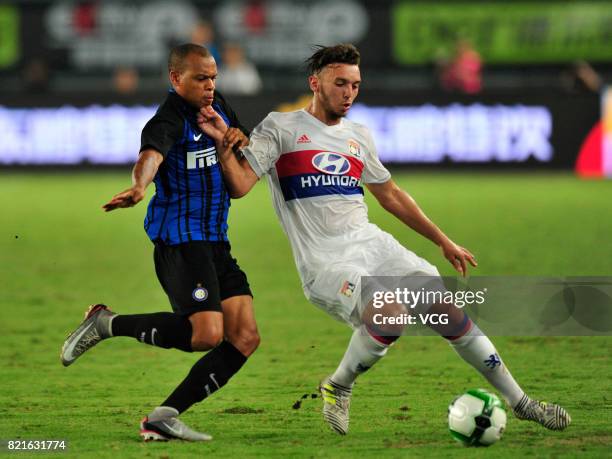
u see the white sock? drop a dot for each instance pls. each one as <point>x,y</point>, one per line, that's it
<point>363,351</point>
<point>478,350</point>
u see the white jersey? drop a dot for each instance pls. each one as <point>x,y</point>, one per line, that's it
<point>315,173</point>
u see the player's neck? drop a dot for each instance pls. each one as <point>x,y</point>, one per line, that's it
<point>319,113</point>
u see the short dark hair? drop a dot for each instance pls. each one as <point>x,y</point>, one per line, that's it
<point>343,53</point>
<point>176,59</point>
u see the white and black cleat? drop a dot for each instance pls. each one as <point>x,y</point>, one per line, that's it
<point>95,328</point>
<point>336,405</point>
<point>163,425</point>
<point>549,415</point>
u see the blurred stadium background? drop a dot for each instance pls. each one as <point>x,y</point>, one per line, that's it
<point>507,84</point>
<point>491,114</point>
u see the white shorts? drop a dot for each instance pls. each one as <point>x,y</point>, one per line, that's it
<point>336,286</point>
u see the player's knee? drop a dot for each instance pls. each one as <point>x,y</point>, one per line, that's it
<point>206,330</point>
<point>250,342</point>
<point>245,340</point>
<point>384,335</point>
<point>203,340</point>
<point>389,321</point>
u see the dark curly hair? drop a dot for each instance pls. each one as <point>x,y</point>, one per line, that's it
<point>344,53</point>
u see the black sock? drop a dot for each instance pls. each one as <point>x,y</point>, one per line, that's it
<point>208,375</point>
<point>162,329</point>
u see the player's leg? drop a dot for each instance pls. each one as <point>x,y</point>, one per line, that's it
<point>162,329</point>
<point>336,291</point>
<point>162,423</point>
<point>183,271</point>
<point>188,275</point>
<point>239,330</point>
<point>475,348</point>
<point>369,343</point>
<point>382,256</point>
<point>206,315</point>
<point>463,335</point>
<point>214,370</point>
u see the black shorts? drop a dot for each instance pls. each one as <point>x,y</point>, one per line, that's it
<point>198,275</point>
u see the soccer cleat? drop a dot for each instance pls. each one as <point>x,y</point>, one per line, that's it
<point>336,404</point>
<point>162,425</point>
<point>92,330</point>
<point>551,416</point>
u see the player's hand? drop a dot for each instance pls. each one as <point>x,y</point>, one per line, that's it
<point>235,137</point>
<point>211,123</point>
<point>458,256</point>
<point>127,198</point>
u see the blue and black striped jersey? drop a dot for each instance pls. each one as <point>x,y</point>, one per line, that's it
<point>191,202</point>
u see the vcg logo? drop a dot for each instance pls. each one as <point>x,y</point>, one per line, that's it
<point>331,163</point>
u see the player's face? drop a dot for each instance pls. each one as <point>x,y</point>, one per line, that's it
<point>336,87</point>
<point>196,83</point>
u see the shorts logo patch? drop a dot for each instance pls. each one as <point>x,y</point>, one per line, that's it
<point>347,289</point>
<point>200,293</point>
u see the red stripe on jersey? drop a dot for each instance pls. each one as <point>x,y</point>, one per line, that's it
<point>301,162</point>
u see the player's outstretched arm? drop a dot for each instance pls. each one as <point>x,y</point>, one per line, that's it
<point>237,173</point>
<point>142,175</point>
<point>399,203</point>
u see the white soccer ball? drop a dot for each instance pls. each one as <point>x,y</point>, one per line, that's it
<point>477,418</point>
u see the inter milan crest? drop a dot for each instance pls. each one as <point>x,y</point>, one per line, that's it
<point>200,293</point>
<point>354,148</point>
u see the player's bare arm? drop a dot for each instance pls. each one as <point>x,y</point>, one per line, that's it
<point>238,174</point>
<point>399,203</point>
<point>234,137</point>
<point>142,175</point>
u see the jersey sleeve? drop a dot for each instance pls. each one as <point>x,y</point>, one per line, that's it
<point>231,114</point>
<point>162,131</point>
<point>373,170</point>
<point>264,146</point>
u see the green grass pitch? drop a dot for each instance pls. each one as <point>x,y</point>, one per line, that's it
<point>59,252</point>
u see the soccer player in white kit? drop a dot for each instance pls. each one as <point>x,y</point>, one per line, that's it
<point>316,161</point>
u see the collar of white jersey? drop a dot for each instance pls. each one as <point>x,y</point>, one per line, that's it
<point>317,120</point>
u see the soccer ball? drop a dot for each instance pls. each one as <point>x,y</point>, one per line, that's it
<point>477,418</point>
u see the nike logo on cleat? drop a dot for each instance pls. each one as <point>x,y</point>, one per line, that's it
<point>171,430</point>
<point>69,350</point>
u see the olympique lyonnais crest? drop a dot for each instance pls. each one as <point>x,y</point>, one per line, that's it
<point>354,148</point>
<point>348,288</point>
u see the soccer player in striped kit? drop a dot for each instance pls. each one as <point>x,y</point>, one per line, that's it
<point>187,222</point>
<point>316,161</point>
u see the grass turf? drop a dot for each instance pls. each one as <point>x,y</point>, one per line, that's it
<point>60,252</point>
